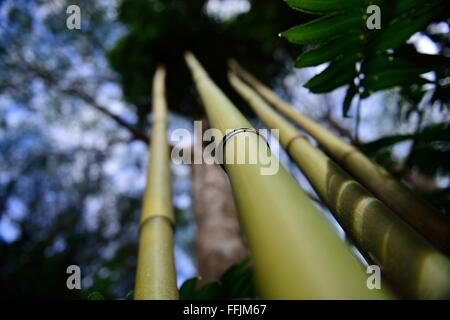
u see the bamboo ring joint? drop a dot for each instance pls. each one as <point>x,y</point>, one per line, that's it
<point>228,136</point>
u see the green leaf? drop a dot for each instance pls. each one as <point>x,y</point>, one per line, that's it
<point>374,146</point>
<point>329,51</point>
<point>430,134</point>
<point>95,296</point>
<point>386,59</point>
<point>235,283</point>
<point>430,61</point>
<point>209,291</point>
<point>320,6</point>
<point>384,71</point>
<point>187,289</point>
<point>392,10</point>
<point>435,132</point>
<point>402,68</point>
<point>351,92</point>
<point>390,78</point>
<point>337,74</point>
<point>402,28</point>
<point>442,94</point>
<point>431,154</point>
<point>431,158</point>
<point>325,28</point>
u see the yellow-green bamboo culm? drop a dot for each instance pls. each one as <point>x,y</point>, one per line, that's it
<point>411,264</point>
<point>426,220</point>
<point>155,275</point>
<point>295,252</point>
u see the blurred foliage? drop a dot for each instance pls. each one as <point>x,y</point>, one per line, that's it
<point>367,61</point>
<point>50,178</point>
<point>431,154</point>
<point>371,60</point>
<point>95,296</point>
<point>54,171</point>
<point>236,283</point>
<point>161,31</point>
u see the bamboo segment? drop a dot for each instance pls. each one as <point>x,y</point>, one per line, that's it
<point>295,252</point>
<point>426,220</point>
<point>155,275</point>
<point>406,258</point>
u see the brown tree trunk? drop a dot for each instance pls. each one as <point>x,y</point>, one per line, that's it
<point>219,242</point>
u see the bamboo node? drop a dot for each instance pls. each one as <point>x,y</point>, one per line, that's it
<point>288,145</point>
<point>228,136</point>
<point>154,216</point>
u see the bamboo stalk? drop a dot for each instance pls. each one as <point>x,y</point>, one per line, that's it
<point>295,252</point>
<point>155,275</point>
<point>406,258</point>
<point>425,219</point>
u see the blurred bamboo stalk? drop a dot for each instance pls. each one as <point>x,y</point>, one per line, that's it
<point>155,275</point>
<point>425,219</point>
<point>295,252</point>
<point>406,258</point>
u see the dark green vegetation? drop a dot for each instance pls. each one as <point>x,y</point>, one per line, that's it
<point>161,31</point>
<point>56,182</point>
<point>372,60</point>
<point>367,61</point>
<point>235,283</point>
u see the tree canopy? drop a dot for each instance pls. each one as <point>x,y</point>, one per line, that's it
<point>162,31</point>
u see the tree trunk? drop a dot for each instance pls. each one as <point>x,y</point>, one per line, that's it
<point>219,240</point>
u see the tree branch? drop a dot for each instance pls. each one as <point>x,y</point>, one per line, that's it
<point>48,77</point>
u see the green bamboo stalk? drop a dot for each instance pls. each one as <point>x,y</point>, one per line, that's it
<point>406,258</point>
<point>425,219</point>
<point>155,275</point>
<point>295,252</point>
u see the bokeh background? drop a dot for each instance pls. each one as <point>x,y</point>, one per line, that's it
<point>74,118</point>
